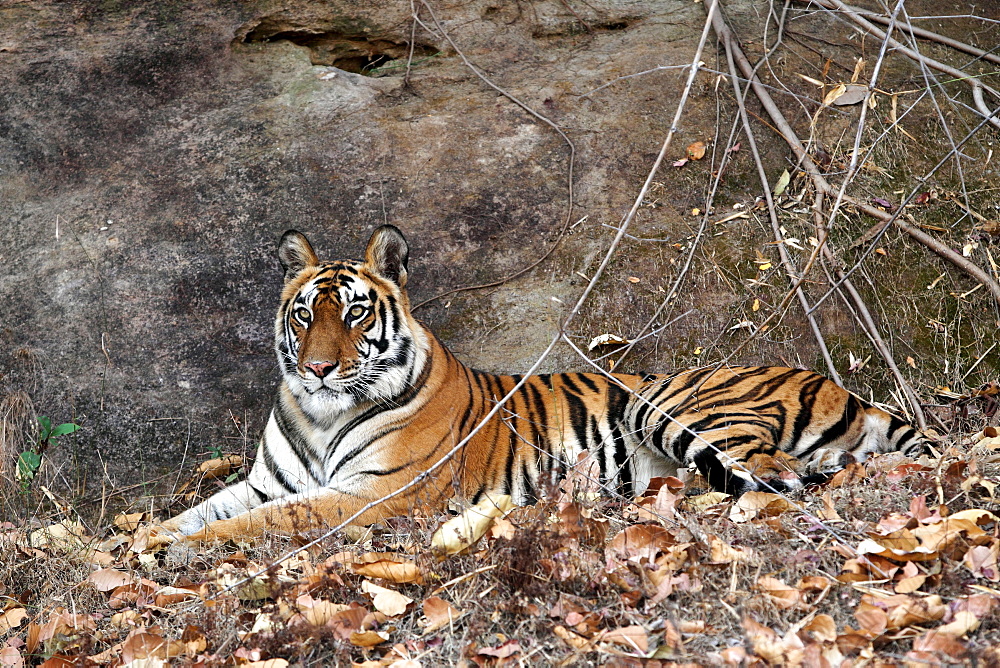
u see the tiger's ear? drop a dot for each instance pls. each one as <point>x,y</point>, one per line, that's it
<point>295,253</point>
<point>387,253</point>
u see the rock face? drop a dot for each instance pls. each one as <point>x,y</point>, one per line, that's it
<point>151,154</point>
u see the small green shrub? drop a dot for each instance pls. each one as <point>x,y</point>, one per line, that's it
<point>29,461</point>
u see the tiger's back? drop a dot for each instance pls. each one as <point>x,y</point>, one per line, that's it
<point>638,427</point>
<point>375,415</point>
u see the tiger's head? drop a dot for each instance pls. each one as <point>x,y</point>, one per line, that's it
<point>344,334</point>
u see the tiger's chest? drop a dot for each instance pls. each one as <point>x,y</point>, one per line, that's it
<point>340,455</point>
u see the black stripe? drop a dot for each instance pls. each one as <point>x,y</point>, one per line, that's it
<point>578,419</point>
<point>299,443</point>
<point>840,427</point>
<point>529,495</point>
<point>617,402</point>
<point>586,380</point>
<point>568,383</point>
<point>261,494</point>
<point>602,463</point>
<point>477,497</point>
<point>807,399</point>
<point>278,473</point>
<point>622,463</point>
<point>536,412</point>
<point>508,482</point>
<point>718,476</point>
<point>388,471</point>
<point>538,401</point>
<point>470,415</point>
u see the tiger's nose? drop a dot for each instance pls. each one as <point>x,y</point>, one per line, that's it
<point>321,369</point>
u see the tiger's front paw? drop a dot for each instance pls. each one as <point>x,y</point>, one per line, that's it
<point>156,536</point>
<point>827,461</point>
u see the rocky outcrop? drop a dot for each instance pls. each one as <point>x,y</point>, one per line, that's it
<point>152,153</point>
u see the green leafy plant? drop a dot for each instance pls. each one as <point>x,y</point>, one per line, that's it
<point>29,461</point>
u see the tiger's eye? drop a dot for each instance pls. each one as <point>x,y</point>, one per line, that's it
<point>357,311</point>
<point>303,314</point>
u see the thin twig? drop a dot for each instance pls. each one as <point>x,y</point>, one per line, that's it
<point>977,86</point>
<point>578,17</point>
<point>917,32</point>
<point>722,29</point>
<point>809,165</point>
<point>559,336</point>
<point>786,261</point>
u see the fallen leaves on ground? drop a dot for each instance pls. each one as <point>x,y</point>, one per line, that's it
<point>669,578</point>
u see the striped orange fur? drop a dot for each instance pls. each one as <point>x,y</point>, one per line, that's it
<point>370,400</point>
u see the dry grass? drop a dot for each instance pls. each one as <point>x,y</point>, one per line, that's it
<point>546,586</point>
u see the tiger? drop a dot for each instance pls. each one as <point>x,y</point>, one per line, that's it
<point>374,416</point>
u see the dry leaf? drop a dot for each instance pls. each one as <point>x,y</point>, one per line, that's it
<point>368,638</point>
<point>822,628</point>
<point>852,94</point>
<point>982,561</point>
<point>662,507</point>
<point>317,612</point>
<point>873,621</point>
<point>12,618</point>
<point>10,657</point>
<point>387,601</point>
<point>692,626</point>
<point>65,535</point>
<point>607,340</point>
<point>782,595</point>
<point>829,511</point>
<point>387,567</point>
<point>438,613</point>
<point>140,645</point>
<point>107,579</point>
<point>169,595</point>
<point>220,467</point>
<point>572,639</point>
<point>703,501</point>
<point>859,67</point>
<point>910,584</point>
<point>834,94</point>
<point>633,637</point>
<point>502,651</point>
<point>782,183</point>
<point>460,533</point>
<point>722,552</point>
<point>696,151</point>
<point>502,528</point>
<point>771,647</point>
<point>129,521</point>
<point>753,505</point>
<point>965,622</point>
<point>928,647</point>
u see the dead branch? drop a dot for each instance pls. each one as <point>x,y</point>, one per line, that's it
<point>916,32</point>
<point>977,86</point>
<point>786,261</point>
<point>809,165</point>
<point>726,35</point>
